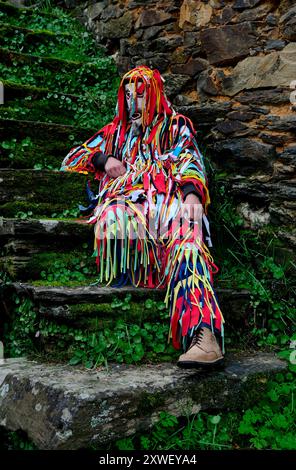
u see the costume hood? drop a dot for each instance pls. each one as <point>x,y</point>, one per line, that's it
<point>156,106</point>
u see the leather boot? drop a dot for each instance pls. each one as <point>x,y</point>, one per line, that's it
<point>204,350</point>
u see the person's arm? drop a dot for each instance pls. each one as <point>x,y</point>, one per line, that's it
<point>81,158</point>
<point>99,160</point>
<point>186,160</point>
<point>109,164</point>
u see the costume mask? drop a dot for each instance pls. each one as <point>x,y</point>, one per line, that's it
<point>135,101</point>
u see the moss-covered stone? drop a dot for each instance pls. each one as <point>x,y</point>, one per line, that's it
<point>42,210</point>
<point>85,282</point>
<point>115,402</point>
<point>33,103</point>
<point>134,310</point>
<point>29,36</point>
<point>148,402</point>
<point>47,63</point>
<point>43,187</point>
<point>61,265</point>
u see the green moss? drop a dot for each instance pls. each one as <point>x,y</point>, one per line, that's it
<point>15,440</point>
<point>148,402</point>
<point>51,63</point>
<point>7,265</point>
<point>45,187</point>
<point>44,283</point>
<point>42,210</point>
<point>7,29</point>
<point>55,264</point>
<point>136,310</point>
<point>255,388</point>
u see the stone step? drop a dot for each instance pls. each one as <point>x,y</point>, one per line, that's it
<point>46,105</point>
<point>43,65</point>
<point>9,9</point>
<point>24,145</point>
<point>22,14</point>
<point>43,103</point>
<point>26,36</point>
<point>63,407</point>
<point>10,30</point>
<point>43,192</point>
<point>94,323</point>
<point>63,295</point>
<point>14,90</point>
<point>72,304</point>
<point>24,241</point>
<point>47,229</point>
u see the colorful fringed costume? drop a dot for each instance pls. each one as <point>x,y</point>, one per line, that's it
<point>138,235</point>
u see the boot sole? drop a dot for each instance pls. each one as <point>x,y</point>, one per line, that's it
<point>196,364</point>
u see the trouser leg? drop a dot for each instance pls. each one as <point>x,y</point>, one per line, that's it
<point>191,297</point>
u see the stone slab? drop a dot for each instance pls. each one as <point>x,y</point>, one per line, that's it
<point>63,407</point>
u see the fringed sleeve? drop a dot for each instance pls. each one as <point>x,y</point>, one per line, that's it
<point>80,159</point>
<point>186,159</point>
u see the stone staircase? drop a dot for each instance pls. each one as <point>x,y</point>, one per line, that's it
<point>63,406</point>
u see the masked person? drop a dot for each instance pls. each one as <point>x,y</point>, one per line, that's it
<point>149,214</point>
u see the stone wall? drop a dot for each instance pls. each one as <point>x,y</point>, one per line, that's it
<point>229,66</point>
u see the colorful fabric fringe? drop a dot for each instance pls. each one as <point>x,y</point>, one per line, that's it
<point>138,235</point>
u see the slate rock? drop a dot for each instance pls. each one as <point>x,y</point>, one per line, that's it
<point>276,44</point>
<point>225,16</point>
<point>288,24</point>
<point>205,115</point>
<point>174,83</point>
<point>242,114</point>
<point>151,33</point>
<point>271,20</point>
<point>166,43</point>
<point>273,139</point>
<point>191,68</point>
<point>206,84</point>
<point>244,156</point>
<point>116,27</point>
<point>147,18</point>
<point>255,14</point>
<point>271,96</point>
<point>275,69</point>
<point>280,123</point>
<point>226,44</point>
<point>242,4</point>
<point>229,126</point>
<point>64,407</point>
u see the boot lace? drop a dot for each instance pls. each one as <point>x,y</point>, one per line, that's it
<point>196,339</point>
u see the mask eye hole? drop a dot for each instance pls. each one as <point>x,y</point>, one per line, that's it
<point>128,94</point>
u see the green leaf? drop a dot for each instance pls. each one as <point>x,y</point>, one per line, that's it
<point>74,361</point>
<point>215,419</point>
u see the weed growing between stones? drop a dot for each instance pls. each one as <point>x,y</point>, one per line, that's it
<point>15,440</point>
<point>53,72</point>
<point>96,343</point>
<point>256,260</point>
<point>271,424</point>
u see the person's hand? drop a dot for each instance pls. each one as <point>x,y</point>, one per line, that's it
<point>114,167</point>
<point>193,208</point>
